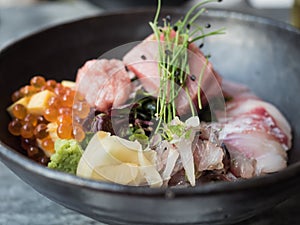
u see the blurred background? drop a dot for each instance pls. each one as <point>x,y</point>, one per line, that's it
<point>18,18</point>
<point>21,17</point>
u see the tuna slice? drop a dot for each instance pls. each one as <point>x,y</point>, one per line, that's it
<point>256,134</point>
<point>143,61</point>
<point>104,83</point>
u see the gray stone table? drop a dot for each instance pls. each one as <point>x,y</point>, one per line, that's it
<point>19,203</point>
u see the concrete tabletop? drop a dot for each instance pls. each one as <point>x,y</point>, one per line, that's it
<point>19,203</point>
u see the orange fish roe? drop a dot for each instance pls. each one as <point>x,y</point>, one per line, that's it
<point>59,108</point>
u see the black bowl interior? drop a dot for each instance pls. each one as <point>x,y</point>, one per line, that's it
<point>258,52</point>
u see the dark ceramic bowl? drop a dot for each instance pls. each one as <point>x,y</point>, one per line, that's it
<point>258,52</point>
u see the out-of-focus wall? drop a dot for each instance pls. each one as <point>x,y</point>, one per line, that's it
<point>4,3</point>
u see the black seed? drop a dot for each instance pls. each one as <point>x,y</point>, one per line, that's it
<point>168,18</point>
<point>193,77</point>
<point>126,68</point>
<point>160,30</point>
<point>165,148</point>
<point>208,25</point>
<point>175,28</point>
<point>201,45</point>
<point>220,0</point>
<point>188,26</point>
<point>143,57</point>
<point>168,52</point>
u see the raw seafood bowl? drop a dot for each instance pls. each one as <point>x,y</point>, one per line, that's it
<point>255,51</point>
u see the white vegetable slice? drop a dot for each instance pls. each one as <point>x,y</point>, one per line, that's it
<point>111,158</point>
<point>171,162</point>
<point>115,173</point>
<point>149,170</point>
<point>184,147</point>
<point>186,155</point>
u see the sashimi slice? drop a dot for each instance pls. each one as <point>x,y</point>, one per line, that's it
<point>104,83</point>
<point>268,154</point>
<point>143,61</point>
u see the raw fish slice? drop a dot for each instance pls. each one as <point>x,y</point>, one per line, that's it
<point>104,83</point>
<point>255,122</point>
<point>208,156</point>
<point>268,154</point>
<point>252,106</point>
<point>143,58</point>
<point>255,133</point>
<point>255,106</point>
<point>245,111</point>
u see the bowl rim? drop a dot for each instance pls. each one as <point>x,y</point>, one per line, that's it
<point>8,154</point>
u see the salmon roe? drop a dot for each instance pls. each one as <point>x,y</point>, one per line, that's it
<point>59,108</point>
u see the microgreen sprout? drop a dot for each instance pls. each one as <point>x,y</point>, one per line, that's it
<point>173,42</point>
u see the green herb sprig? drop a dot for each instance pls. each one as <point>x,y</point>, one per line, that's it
<point>173,58</point>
